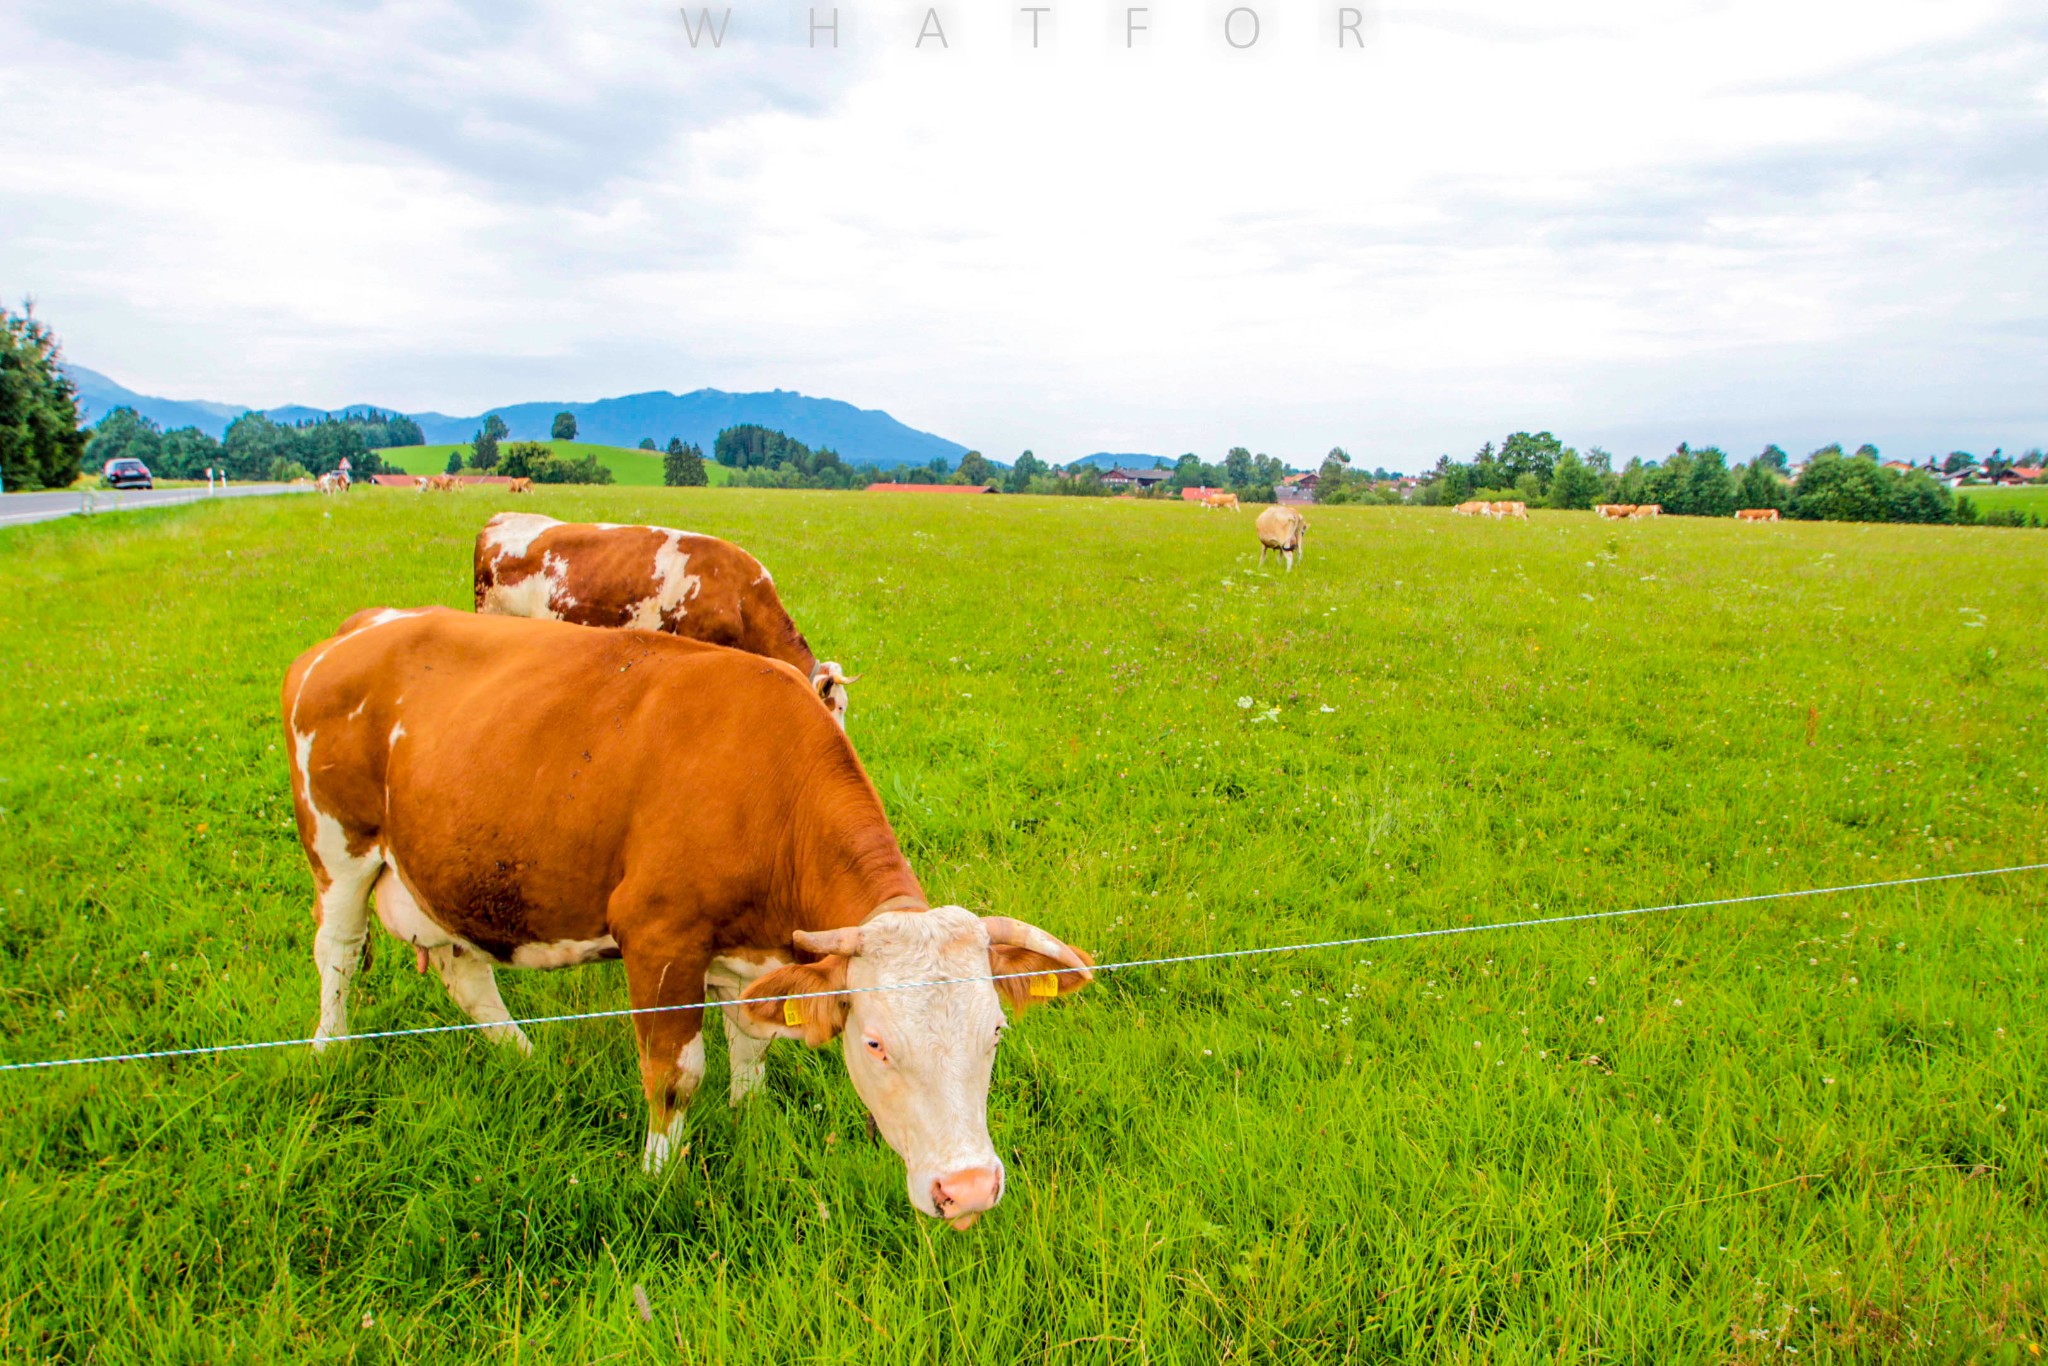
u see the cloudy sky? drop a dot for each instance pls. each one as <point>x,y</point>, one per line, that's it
<point>1633,222</point>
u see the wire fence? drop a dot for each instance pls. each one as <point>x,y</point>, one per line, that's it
<point>1399,936</point>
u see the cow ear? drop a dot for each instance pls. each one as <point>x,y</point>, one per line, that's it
<point>817,1019</point>
<point>1044,979</point>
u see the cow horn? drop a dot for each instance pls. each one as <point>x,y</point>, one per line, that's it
<point>1020,935</point>
<point>844,941</point>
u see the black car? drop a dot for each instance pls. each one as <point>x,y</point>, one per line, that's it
<point>127,473</point>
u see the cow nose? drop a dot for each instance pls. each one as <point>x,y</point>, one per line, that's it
<point>967,1192</point>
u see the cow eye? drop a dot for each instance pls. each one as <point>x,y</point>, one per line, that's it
<point>875,1047</point>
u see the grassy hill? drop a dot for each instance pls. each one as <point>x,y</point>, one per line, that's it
<point>1796,1131</point>
<point>634,468</point>
<point>1989,499</point>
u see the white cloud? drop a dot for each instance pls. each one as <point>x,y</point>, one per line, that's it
<point>1632,223</point>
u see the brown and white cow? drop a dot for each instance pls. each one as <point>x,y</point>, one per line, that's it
<point>1221,500</point>
<point>534,794</point>
<point>1614,512</point>
<point>1473,509</point>
<point>520,485</point>
<point>1757,515</point>
<point>1509,509</point>
<point>1642,510</point>
<point>1282,529</point>
<point>651,578</point>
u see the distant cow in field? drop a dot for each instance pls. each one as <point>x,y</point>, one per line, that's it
<point>1617,512</point>
<point>538,795</point>
<point>1473,509</point>
<point>1282,529</point>
<point>520,486</point>
<point>648,577</point>
<point>1757,515</point>
<point>334,481</point>
<point>1221,500</point>
<point>1641,510</point>
<point>1509,509</point>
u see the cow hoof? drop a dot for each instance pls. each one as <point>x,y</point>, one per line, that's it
<point>655,1155</point>
<point>321,1043</point>
<point>511,1034</point>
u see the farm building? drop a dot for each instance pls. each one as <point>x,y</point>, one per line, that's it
<point>1138,479</point>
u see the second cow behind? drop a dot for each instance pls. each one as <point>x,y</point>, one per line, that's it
<point>647,577</point>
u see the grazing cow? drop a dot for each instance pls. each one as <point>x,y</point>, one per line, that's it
<point>1646,510</point>
<point>1757,515</point>
<point>1221,500</point>
<point>444,483</point>
<point>648,577</point>
<point>1474,509</point>
<point>1282,529</point>
<point>334,481</point>
<point>1510,509</point>
<point>534,794</point>
<point>1615,511</point>
<point>520,486</point>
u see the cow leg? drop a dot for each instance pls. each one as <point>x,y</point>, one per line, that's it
<point>671,1045</point>
<point>1262,555</point>
<point>470,981</point>
<point>748,1058</point>
<point>344,914</point>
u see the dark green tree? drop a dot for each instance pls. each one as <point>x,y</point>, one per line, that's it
<point>1773,458</point>
<point>564,428</point>
<point>1574,483</point>
<point>1760,486</point>
<point>41,443</point>
<point>455,461</point>
<point>1709,488</point>
<point>1027,468</point>
<point>1525,453</point>
<point>1237,467</point>
<point>647,443</point>
<point>683,466</point>
<point>486,442</point>
<point>975,469</point>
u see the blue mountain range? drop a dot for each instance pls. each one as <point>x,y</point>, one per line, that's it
<point>865,436</point>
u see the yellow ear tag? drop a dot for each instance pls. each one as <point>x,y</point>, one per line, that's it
<point>1045,984</point>
<point>792,1013</point>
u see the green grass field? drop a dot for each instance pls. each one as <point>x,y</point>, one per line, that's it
<point>633,468</point>
<point>1804,1130</point>
<point>1989,499</point>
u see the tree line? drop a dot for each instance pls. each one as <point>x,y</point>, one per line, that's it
<point>254,446</point>
<point>1832,485</point>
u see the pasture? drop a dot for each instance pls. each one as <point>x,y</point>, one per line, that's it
<point>630,467</point>
<point>1990,499</point>
<point>1807,1127</point>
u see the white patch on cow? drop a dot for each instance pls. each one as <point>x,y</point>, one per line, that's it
<point>513,533</point>
<point>344,906</point>
<point>563,953</point>
<point>543,594</point>
<point>359,709</point>
<point>402,915</point>
<point>689,1076</point>
<point>674,585</point>
<point>467,975</point>
<point>746,1043</point>
<point>386,617</point>
<point>397,734</point>
<point>765,577</point>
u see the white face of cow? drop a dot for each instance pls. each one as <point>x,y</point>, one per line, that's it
<point>830,680</point>
<point>921,1057</point>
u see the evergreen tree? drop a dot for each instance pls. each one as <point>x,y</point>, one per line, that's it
<point>683,466</point>
<point>41,443</point>
<point>486,442</point>
<point>647,443</point>
<point>455,461</point>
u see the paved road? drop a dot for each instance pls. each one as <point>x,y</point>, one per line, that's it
<point>19,509</point>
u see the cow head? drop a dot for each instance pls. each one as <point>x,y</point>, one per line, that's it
<point>830,680</point>
<point>921,1058</point>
